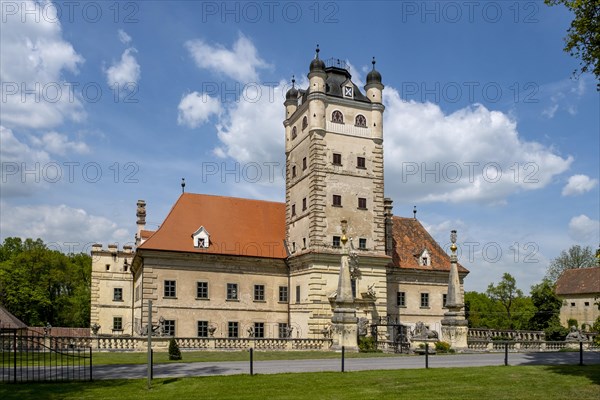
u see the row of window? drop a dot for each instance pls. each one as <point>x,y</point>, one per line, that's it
<point>337,240</point>
<point>401,299</point>
<point>336,117</point>
<point>232,293</point>
<point>587,304</point>
<point>361,163</point>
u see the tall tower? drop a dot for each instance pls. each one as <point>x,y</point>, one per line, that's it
<point>334,160</point>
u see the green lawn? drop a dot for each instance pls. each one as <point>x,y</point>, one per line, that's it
<point>519,382</point>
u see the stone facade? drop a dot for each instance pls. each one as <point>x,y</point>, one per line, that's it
<point>226,267</point>
<point>580,291</point>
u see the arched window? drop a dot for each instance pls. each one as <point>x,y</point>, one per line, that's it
<point>337,117</point>
<point>294,134</point>
<point>304,123</point>
<point>360,121</point>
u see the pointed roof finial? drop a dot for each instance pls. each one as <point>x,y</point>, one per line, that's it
<point>293,80</point>
<point>318,50</point>
<point>373,62</point>
<point>415,212</point>
<point>182,185</point>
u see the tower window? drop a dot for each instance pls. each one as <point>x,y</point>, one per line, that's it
<point>298,294</point>
<point>304,123</point>
<point>362,243</point>
<point>361,163</point>
<point>444,299</point>
<point>362,203</point>
<point>294,133</point>
<point>337,117</point>
<point>336,241</point>
<point>360,121</point>
<point>293,171</point>
<point>337,200</point>
<point>304,204</point>
<point>293,210</point>
<point>304,164</point>
<point>303,243</point>
<point>337,159</point>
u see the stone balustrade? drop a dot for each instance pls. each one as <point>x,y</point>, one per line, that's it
<point>115,343</point>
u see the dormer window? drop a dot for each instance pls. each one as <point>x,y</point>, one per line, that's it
<point>201,238</point>
<point>424,259</point>
<point>337,117</point>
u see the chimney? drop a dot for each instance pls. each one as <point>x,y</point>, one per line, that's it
<point>141,221</point>
<point>387,213</point>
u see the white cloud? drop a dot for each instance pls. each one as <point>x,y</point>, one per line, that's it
<point>473,154</point>
<point>61,225</point>
<point>579,184</point>
<point>195,109</point>
<point>57,143</point>
<point>550,111</point>
<point>240,63</point>
<point>563,95</point>
<point>124,72</point>
<point>583,229</point>
<point>35,57</point>
<point>124,37</point>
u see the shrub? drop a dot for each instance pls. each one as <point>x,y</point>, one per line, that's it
<point>572,322</point>
<point>556,333</point>
<point>442,347</point>
<point>174,352</point>
<point>366,344</point>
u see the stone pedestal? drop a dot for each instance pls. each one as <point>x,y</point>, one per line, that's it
<point>345,329</point>
<point>455,335</point>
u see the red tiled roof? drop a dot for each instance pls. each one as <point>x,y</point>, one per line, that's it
<point>146,234</point>
<point>410,238</point>
<point>236,226</point>
<point>579,281</point>
<point>7,320</point>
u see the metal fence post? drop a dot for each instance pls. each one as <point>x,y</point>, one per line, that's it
<point>505,353</point>
<point>426,355</point>
<point>580,352</point>
<point>251,361</point>
<point>343,356</point>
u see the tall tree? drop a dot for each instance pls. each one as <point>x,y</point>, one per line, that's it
<point>547,305</point>
<point>506,293</point>
<point>583,36</point>
<point>575,257</point>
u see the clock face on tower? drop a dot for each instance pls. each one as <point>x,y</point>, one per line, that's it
<point>348,91</point>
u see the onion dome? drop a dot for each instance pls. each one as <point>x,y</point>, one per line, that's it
<point>317,64</point>
<point>292,94</point>
<point>374,76</point>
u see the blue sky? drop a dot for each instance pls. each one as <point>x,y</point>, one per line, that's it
<point>485,131</point>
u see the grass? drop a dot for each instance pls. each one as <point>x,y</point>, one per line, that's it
<point>518,382</point>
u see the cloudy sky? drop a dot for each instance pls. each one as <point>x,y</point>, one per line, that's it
<point>485,130</point>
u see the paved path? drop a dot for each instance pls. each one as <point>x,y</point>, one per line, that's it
<point>351,364</point>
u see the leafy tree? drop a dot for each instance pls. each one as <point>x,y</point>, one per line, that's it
<point>547,305</point>
<point>583,36</point>
<point>575,257</point>
<point>41,286</point>
<point>505,293</point>
<point>480,311</point>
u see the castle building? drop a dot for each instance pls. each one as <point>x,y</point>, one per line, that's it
<point>231,267</point>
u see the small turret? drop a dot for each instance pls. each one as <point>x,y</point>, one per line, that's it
<point>291,100</point>
<point>374,86</point>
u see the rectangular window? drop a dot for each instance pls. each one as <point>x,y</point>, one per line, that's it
<point>587,304</point>
<point>259,292</point>
<point>304,164</point>
<point>444,299</point>
<point>202,328</point>
<point>572,304</point>
<point>293,247</point>
<point>232,291</point>
<point>303,243</point>
<point>337,200</point>
<point>362,203</point>
<point>337,159</point>
<point>362,243</point>
<point>401,299</point>
<point>353,285</point>
<point>137,292</point>
<point>293,210</point>
<point>118,294</point>
<point>117,323</point>
<point>304,204</point>
<point>283,294</point>
<point>232,329</point>
<point>259,329</point>
<point>283,331</point>
<point>170,289</point>
<point>170,327</point>
<point>336,241</point>
<point>202,290</point>
<point>424,299</point>
<point>293,171</point>
<point>298,294</point>
<point>360,162</point>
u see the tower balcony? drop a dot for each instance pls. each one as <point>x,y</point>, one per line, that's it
<point>348,129</point>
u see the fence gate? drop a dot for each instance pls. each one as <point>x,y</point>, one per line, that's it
<point>398,334</point>
<point>27,356</point>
